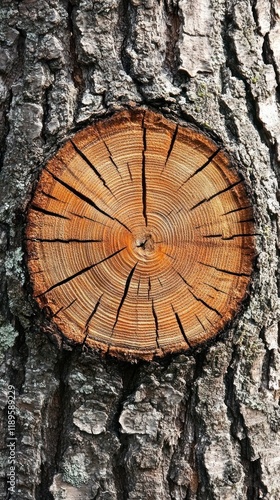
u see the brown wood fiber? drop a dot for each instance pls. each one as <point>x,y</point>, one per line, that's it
<point>140,237</point>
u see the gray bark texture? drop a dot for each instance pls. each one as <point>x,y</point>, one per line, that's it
<point>199,426</point>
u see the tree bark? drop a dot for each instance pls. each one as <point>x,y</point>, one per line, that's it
<point>200,426</point>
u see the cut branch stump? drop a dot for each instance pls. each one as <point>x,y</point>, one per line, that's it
<point>140,237</point>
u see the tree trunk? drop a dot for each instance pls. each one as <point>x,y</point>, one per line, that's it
<point>204,425</point>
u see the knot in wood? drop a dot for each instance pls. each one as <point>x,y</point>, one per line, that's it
<point>140,237</point>
<point>144,245</point>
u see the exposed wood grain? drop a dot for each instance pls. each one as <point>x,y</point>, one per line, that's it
<point>140,237</point>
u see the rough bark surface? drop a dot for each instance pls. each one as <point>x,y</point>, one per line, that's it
<point>201,426</point>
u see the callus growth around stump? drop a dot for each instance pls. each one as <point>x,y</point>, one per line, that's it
<point>140,237</point>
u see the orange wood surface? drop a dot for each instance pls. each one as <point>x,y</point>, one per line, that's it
<point>140,237</point>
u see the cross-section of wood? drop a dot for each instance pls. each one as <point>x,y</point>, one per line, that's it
<point>140,237</point>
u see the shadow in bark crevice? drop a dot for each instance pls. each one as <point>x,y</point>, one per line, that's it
<point>130,374</point>
<point>56,419</point>
<point>201,442</point>
<point>251,467</point>
<point>126,19</point>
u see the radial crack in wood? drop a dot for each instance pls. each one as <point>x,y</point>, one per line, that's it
<point>140,237</point>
